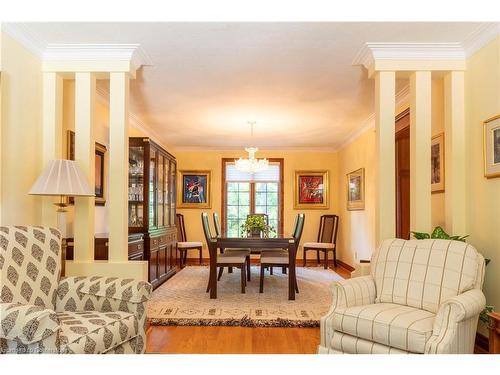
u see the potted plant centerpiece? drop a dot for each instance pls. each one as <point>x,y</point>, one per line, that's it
<point>256,226</point>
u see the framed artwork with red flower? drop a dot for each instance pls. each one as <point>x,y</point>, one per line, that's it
<point>193,190</point>
<point>311,190</point>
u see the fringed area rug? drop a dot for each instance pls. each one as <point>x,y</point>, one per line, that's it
<point>182,299</point>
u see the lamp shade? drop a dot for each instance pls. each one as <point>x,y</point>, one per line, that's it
<point>62,177</point>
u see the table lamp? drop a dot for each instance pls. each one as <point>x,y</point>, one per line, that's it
<point>63,178</point>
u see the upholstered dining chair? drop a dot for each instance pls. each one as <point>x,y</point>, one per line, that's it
<point>183,245</point>
<point>280,258</point>
<point>218,232</point>
<point>422,296</point>
<point>327,240</point>
<point>229,259</point>
<point>40,312</point>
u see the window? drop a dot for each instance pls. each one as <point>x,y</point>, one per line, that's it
<point>245,194</point>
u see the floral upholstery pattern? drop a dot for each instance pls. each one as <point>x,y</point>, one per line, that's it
<point>422,296</point>
<point>41,313</point>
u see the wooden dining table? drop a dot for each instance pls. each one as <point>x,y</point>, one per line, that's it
<point>279,242</point>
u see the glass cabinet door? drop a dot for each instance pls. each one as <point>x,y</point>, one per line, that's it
<point>160,190</point>
<point>136,187</point>
<point>152,189</point>
<point>167,193</point>
<point>172,192</point>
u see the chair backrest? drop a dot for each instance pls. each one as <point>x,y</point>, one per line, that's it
<point>30,265</point>
<point>299,227</point>
<point>206,227</point>
<point>328,227</point>
<point>218,230</point>
<point>181,229</point>
<point>424,273</point>
<point>266,218</point>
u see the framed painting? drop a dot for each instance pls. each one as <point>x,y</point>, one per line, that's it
<point>311,190</point>
<point>437,163</point>
<point>100,179</point>
<point>194,190</point>
<point>491,135</point>
<point>356,190</point>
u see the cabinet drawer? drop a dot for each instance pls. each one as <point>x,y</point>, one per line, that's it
<point>135,249</point>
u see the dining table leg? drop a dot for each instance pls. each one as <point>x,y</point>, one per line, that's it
<point>212,247</point>
<point>291,274</point>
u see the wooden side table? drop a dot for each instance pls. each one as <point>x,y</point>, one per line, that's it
<point>494,327</point>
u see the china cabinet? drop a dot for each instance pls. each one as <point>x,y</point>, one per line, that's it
<point>151,205</point>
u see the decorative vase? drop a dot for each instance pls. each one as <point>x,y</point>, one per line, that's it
<point>255,233</point>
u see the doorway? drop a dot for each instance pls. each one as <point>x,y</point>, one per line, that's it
<point>402,139</point>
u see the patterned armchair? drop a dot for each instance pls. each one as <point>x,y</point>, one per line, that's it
<point>41,313</point>
<point>422,296</point>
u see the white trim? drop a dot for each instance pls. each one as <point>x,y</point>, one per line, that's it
<point>480,37</point>
<point>22,33</point>
<point>240,150</point>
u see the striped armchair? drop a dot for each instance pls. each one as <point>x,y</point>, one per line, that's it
<point>422,296</point>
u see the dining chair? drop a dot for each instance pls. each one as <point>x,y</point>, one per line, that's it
<point>327,239</point>
<point>280,258</point>
<point>232,259</point>
<point>183,245</point>
<point>218,232</point>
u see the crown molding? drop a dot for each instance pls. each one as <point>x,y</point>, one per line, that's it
<point>238,149</point>
<point>24,35</point>
<point>480,37</point>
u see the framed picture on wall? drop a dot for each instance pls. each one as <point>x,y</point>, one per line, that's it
<point>491,135</point>
<point>437,163</point>
<point>194,189</point>
<point>356,190</point>
<point>311,190</point>
<point>100,176</point>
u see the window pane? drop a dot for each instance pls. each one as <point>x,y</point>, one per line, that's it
<point>243,211</point>
<point>244,186</point>
<point>232,212</point>
<point>232,228</point>
<point>272,186</point>
<point>232,198</point>
<point>272,211</point>
<point>260,210</point>
<point>272,199</point>
<point>260,199</point>
<point>260,186</point>
<point>232,186</point>
<point>244,199</point>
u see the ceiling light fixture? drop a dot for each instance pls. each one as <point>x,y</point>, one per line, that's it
<point>252,164</point>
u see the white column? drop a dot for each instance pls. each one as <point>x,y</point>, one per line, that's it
<point>85,156</point>
<point>118,166</point>
<point>420,152</point>
<point>385,217</point>
<point>455,153</point>
<point>52,87</point>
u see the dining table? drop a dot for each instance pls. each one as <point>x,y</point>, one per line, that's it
<point>280,241</point>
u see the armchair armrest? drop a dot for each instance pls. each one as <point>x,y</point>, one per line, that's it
<point>456,323</point>
<point>353,292</point>
<point>27,324</point>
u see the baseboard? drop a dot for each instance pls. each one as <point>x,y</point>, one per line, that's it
<point>309,263</point>
<point>345,265</point>
<point>482,342</point>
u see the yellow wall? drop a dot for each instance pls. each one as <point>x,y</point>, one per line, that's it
<point>482,80</point>
<point>211,160</point>
<point>21,144</point>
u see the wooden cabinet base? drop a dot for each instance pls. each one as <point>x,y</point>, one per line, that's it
<point>494,328</point>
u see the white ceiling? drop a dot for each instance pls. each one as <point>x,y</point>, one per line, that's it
<point>295,80</point>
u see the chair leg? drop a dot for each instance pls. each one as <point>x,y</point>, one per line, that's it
<point>201,254</point>
<point>208,286</point>
<point>317,257</point>
<point>335,258</point>
<point>305,257</point>
<point>185,256</point>
<point>248,268</point>
<point>181,258</point>
<point>283,270</point>
<point>221,269</point>
<point>261,286</point>
<point>230,269</point>
<point>271,270</point>
<point>326,259</point>
<point>243,278</point>
<point>296,285</point>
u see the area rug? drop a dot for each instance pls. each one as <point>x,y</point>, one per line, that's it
<point>182,299</point>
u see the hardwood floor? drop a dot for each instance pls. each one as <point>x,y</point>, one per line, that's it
<point>233,340</point>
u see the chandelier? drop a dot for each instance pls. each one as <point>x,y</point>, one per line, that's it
<point>252,164</point>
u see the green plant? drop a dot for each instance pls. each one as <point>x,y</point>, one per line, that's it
<point>256,223</point>
<point>437,233</point>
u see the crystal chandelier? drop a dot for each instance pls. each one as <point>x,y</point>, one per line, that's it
<point>252,164</point>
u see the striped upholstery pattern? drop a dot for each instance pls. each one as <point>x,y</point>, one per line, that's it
<point>421,297</point>
<point>423,273</point>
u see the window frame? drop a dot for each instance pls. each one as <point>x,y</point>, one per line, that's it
<point>225,161</point>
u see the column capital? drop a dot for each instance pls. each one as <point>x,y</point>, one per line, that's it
<point>411,57</point>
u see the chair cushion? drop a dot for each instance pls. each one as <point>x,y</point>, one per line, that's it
<point>402,327</point>
<point>192,244</point>
<point>423,273</point>
<point>319,245</point>
<point>231,258</point>
<point>274,257</point>
<point>93,332</point>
